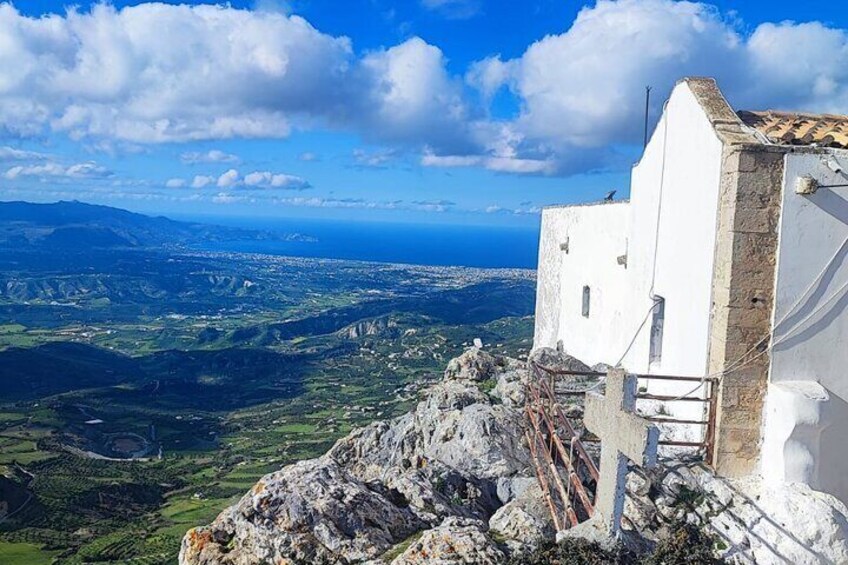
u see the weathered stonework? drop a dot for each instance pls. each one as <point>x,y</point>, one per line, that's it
<point>743,287</point>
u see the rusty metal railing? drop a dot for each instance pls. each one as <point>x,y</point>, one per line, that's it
<point>565,467</point>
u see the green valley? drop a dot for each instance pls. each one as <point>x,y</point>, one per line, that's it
<point>145,390</point>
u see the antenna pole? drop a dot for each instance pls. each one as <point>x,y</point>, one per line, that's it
<point>647,106</point>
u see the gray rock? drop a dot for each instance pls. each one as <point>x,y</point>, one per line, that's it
<point>456,425</point>
<point>311,511</point>
<point>511,387</point>
<point>553,359</point>
<point>444,468</point>
<point>455,541</point>
<point>510,488</point>
<point>524,522</point>
<point>378,326</point>
<point>474,365</point>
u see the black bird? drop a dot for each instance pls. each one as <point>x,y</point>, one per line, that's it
<point>610,195</point>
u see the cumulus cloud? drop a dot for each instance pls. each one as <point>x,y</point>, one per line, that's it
<point>160,73</point>
<point>497,163</point>
<point>201,181</point>
<point>583,89</point>
<point>489,75</point>
<point>211,156</point>
<point>156,73</point>
<point>232,179</point>
<point>265,179</point>
<point>175,183</point>
<point>77,171</point>
<point>413,96</point>
<point>228,178</point>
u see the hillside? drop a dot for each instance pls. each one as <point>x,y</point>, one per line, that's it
<point>152,386</point>
<point>77,225</point>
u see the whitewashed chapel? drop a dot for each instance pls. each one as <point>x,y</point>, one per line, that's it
<point>729,259</point>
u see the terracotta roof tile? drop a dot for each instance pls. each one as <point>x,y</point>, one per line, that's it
<point>788,128</point>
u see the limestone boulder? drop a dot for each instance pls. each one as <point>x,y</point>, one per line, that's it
<point>553,359</point>
<point>474,365</point>
<point>455,541</point>
<point>456,425</point>
<point>313,511</point>
<point>511,388</point>
<point>524,522</point>
<point>443,469</point>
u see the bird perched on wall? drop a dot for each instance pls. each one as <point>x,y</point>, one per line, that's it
<point>610,195</point>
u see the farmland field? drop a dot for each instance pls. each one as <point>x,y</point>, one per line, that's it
<point>143,391</point>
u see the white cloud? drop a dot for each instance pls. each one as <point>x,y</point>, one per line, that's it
<point>157,72</point>
<point>412,97</point>
<point>11,154</point>
<point>489,75</point>
<point>228,178</point>
<point>160,73</point>
<point>520,211</point>
<point>433,205</point>
<point>201,181</point>
<point>502,164</point>
<point>583,89</point>
<point>454,9</point>
<point>225,198</point>
<point>798,66</point>
<point>211,156</point>
<point>377,158</point>
<point>430,159</point>
<point>265,179</point>
<point>87,170</point>
<point>49,169</point>
<point>309,156</point>
<point>175,183</point>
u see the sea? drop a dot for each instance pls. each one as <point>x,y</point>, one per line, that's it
<point>388,242</point>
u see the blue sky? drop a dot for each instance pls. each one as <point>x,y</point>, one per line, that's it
<point>476,111</point>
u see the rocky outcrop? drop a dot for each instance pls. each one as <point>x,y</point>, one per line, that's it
<point>445,474</point>
<point>473,365</point>
<point>451,483</point>
<point>312,511</point>
<point>456,540</point>
<point>751,520</point>
<point>553,359</point>
<point>384,326</point>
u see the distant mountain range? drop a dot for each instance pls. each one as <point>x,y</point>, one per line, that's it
<point>79,225</point>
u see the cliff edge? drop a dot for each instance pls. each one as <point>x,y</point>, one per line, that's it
<point>450,481</point>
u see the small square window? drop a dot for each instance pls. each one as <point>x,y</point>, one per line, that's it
<point>587,297</point>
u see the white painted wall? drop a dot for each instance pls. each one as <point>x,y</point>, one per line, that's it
<point>597,236</point>
<point>674,195</point>
<point>672,217</point>
<point>804,436</point>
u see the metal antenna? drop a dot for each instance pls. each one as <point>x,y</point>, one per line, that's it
<point>647,106</point>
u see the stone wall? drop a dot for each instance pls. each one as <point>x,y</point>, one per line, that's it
<point>743,288</point>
